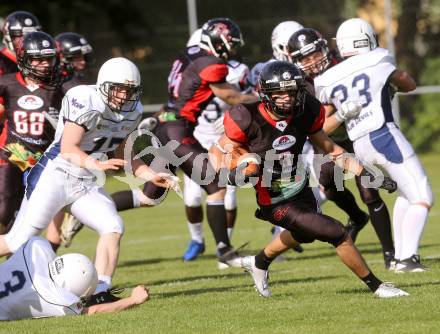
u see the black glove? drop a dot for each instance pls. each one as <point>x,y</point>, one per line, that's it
<point>388,183</point>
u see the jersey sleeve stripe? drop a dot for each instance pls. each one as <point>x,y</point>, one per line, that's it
<point>319,122</point>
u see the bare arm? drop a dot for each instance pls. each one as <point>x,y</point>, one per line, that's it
<point>331,122</point>
<point>328,146</point>
<point>220,150</point>
<point>403,81</point>
<point>71,151</point>
<point>139,295</point>
<point>230,94</point>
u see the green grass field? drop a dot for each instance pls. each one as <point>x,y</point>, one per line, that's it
<point>312,292</point>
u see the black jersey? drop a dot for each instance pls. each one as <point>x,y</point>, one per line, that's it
<point>8,62</point>
<point>189,79</point>
<point>277,143</point>
<point>26,109</point>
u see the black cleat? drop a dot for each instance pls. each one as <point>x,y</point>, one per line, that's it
<point>298,248</point>
<point>353,228</point>
<point>410,265</point>
<point>390,261</point>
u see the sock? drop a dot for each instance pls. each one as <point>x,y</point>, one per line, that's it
<point>231,216</point>
<point>412,229</point>
<point>262,261</point>
<point>380,219</point>
<point>372,281</point>
<point>230,230</point>
<point>216,214</point>
<point>346,201</point>
<point>400,207</point>
<point>123,200</point>
<point>54,246</point>
<point>104,283</point>
<point>196,231</point>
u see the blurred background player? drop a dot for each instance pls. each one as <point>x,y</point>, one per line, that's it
<point>310,52</point>
<point>368,74</point>
<point>39,285</point>
<point>197,76</point>
<point>75,57</point>
<point>28,98</point>
<point>16,25</point>
<point>207,132</point>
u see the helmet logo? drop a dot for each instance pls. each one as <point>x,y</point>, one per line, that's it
<point>59,265</point>
<point>286,75</point>
<point>301,38</point>
<point>362,43</point>
<point>28,22</point>
<point>82,41</point>
<point>45,43</point>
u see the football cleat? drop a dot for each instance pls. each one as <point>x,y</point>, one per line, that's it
<point>194,250</point>
<point>388,290</point>
<point>260,277</point>
<point>353,228</point>
<point>390,261</point>
<point>410,265</point>
<point>231,257</point>
<point>71,226</point>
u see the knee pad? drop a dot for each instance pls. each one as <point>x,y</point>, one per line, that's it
<point>230,198</point>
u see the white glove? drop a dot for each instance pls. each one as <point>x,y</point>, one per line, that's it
<point>349,109</point>
<point>148,124</point>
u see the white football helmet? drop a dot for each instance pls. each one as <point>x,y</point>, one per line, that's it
<point>194,40</point>
<point>74,273</point>
<point>116,75</point>
<point>280,37</point>
<point>354,37</point>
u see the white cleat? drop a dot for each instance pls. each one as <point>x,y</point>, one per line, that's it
<point>388,290</point>
<point>260,277</point>
<point>71,226</point>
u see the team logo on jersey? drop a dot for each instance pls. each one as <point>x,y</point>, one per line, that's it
<point>76,104</point>
<point>30,102</point>
<point>193,50</point>
<point>283,142</point>
<point>286,75</point>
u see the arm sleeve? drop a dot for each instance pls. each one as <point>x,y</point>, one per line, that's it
<point>214,73</point>
<point>237,123</point>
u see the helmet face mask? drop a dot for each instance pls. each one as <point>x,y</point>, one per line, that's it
<point>37,59</point>
<point>282,89</point>
<point>309,51</point>
<point>119,83</point>
<point>18,24</point>
<point>280,37</point>
<point>222,37</point>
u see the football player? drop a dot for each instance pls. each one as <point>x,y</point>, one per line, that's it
<point>275,130</point>
<point>29,99</point>
<point>16,25</point>
<point>310,52</point>
<point>207,131</point>
<point>35,283</point>
<point>197,76</point>
<point>93,120</point>
<point>367,76</point>
<point>75,56</point>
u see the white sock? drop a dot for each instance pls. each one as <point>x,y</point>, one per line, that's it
<point>104,283</point>
<point>412,228</point>
<point>400,207</point>
<point>230,230</point>
<point>196,231</point>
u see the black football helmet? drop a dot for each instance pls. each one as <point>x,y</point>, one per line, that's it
<point>222,37</point>
<point>39,45</point>
<point>305,42</point>
<point>71,45</point>
<point>281,76</point>
<point>18,24</point>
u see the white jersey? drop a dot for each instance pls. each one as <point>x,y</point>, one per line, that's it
<point>210,121</point>
<point>361,78</point>
<point>105,129</point>
<point>26,289</point>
